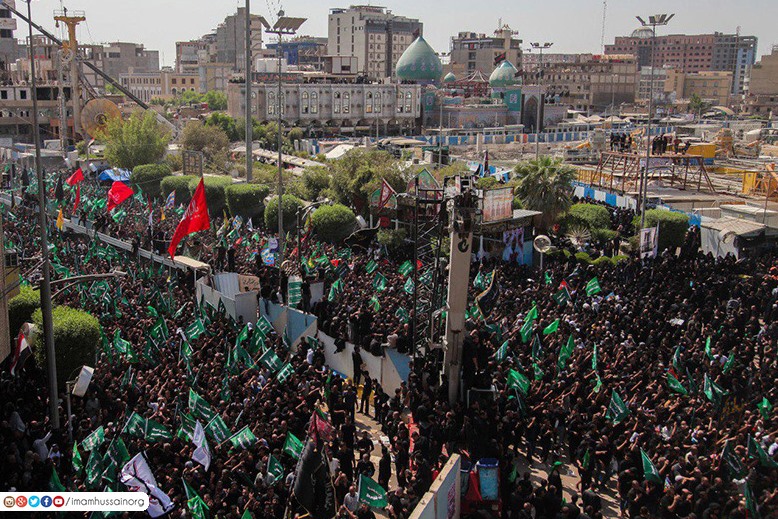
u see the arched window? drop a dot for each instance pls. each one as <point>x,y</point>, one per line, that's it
<point>271,103</point>
<point>314,102</point>
<point>399,102</point>
<point>377,103</point>
<point>304,102</point>
<point>408,102</point>
<point>346,102</point>
<point>336,104</point>
<point>369,103</point>
<point>282,104</point>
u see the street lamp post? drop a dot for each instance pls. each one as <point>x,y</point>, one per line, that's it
<point>540,47</point>
<point>249,123</point>
<point>46,307</point>
<point>653,21</point>
<point>283,26</point>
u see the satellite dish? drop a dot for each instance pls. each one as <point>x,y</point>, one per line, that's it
<point>542,243</point>
<point>96,114</point>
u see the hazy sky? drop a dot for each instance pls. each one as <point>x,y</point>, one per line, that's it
<point>573,25</point>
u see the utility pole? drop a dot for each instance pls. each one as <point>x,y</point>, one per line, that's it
<point>249,123</point>
<point>70,49</point>
<point>540,47</point>
<point>653,22</point>
<point>46,307</point>
<point>283,26</point>
<point>63,113</point>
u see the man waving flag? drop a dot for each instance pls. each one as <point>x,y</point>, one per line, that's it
<point>195,218</point>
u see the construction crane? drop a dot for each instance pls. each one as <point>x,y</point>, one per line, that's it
<point>91,66</point>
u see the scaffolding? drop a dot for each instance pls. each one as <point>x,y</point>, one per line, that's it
<point>622,171</point>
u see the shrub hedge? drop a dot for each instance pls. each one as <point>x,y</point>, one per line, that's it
<point>290,206</point>
<point>672,227</point>
<point>246,200</point>
<point>148,177</point>
<point>333,223</point>
<point>179,184</point>
<point>214,192</point>
<point>594,216</point>
<point>21,308</point>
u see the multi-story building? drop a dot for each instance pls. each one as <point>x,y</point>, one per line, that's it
<point>591,83</point>
<point>305,52</point>
<point>343,107</point>
<point>165,84</point>
<point>663,89</point>
<point>531,60</point>
<point>121,57</point>
<point>711,86</point>
<point>692,53</point>
<point>374,35</point>
<point>188,55</point>
<point>471,52</point>
<point>230,41</point>
<point>763,89</point>
<point>8,50</point>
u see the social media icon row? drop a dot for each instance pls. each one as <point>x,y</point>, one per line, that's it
<point>34,501</point>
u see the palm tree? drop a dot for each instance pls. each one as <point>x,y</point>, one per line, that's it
<point>545,185</point>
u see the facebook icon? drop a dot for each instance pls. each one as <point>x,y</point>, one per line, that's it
<point>45,501</point>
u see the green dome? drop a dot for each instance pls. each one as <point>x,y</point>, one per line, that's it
<point>419,62</point>
<point>504,75</point>
<point>450,78</point>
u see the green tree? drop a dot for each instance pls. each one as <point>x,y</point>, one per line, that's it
<point>21,308</point>
<point>486,183</point>
<point>697,105</point>
<point>672,227</point>
<point>179,184</point>
<point>591,215</point>
<point>333,223</point>
<point>246,200</point>
<point>315,179</point>
<point>228,125</point>
<point>214,192</point>
<point>392,239</point>
<point>291,204</point>
<point>76,333</point>
<point>359,172</point>
<point>295,134</point>
<point>188,97</point>
<point>545,185</point>
<point>212,141</point>
<point>148,177</point>
<point>138,140</point>
<point>216,100</point>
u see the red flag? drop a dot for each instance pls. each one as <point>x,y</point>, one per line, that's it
<point>195,218</point>
<point>118,193</point>
<point>75,178</point>
<point>78,198</point>
<point>20,352</point>
<point>386,193</point>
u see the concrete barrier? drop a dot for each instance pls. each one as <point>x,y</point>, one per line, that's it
<point>444,499</point>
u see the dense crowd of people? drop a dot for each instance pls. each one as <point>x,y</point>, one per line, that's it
<point>673,361</point>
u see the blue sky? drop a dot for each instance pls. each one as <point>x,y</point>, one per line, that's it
<point>573,25</point>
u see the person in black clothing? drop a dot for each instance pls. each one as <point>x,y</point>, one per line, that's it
<point>356,359</point>
<point>231,259</point>
<point>384,468</point>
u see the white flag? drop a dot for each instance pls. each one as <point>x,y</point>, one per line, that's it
<point>137,477</point>
<point>202,454</point>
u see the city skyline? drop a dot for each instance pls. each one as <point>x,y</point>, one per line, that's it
<point>156,32</point>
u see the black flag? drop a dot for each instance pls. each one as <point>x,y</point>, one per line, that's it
<point>59,193</point>
<point>487,300</point>
<point>499,58</point>
<point>25,178</point>
<point>313,488</point>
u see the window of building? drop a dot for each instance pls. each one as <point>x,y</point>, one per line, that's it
<point>3,94</point>
<point>346,102</point>
<point>314,102</point>
<point>22,94</point>
<point>399,102</point>
<point>377,103</point>
<point>369,103</point>
<point>304,103</point>
<point>408,102</point>
<point>336,104</point>
<point>271,103</point>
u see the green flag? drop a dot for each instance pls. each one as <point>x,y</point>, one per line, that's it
<point>594,357</point>
<point>650,473</point>
<point>617,409</point>
<point>598,384</point>
<point>293,446</point>
<point>732,462</point>
<point>751,504</point>
<point>285,372</point>
<point>187,427</point>
<point>195,329</point>
<point>538,373</point>
<point>94,469</point>
<point>147,429</point>
<point>374,303</point>
<point>263,326</point>
<point>371,266</point>
<point>526,331</point>
<point>242,336</point>
<point>708,352</point>
<point>537,348</point>
<point>532,314</point>
<point>548,279</point>
<point>270,360</point>
<point>78,463</point>
<point>674,384</point>
<point>95,439</point>
<point>55,485</point>
<point>402,315</point>
<point>765,408</point>
<point>243,439</point>
<point>379,282</point>
<point>565,352</point>
<point>593,287</point>
<point>406,268</point>
<point>561,297</point>
<point>551,328</point>
<point>713,391</point>
<point>117,451</point>
<point>730,362</point>
<point>755,451</point>
<point>502,352</point>
<point>371,493</point>
<point>217,429</point>
<point>409,287</point>
<point>275,471</point>
<point>199,407</point>
<point>518,381</point>
<point>195,503</point>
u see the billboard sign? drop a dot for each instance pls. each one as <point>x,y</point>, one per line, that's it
<point>498,205</point>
